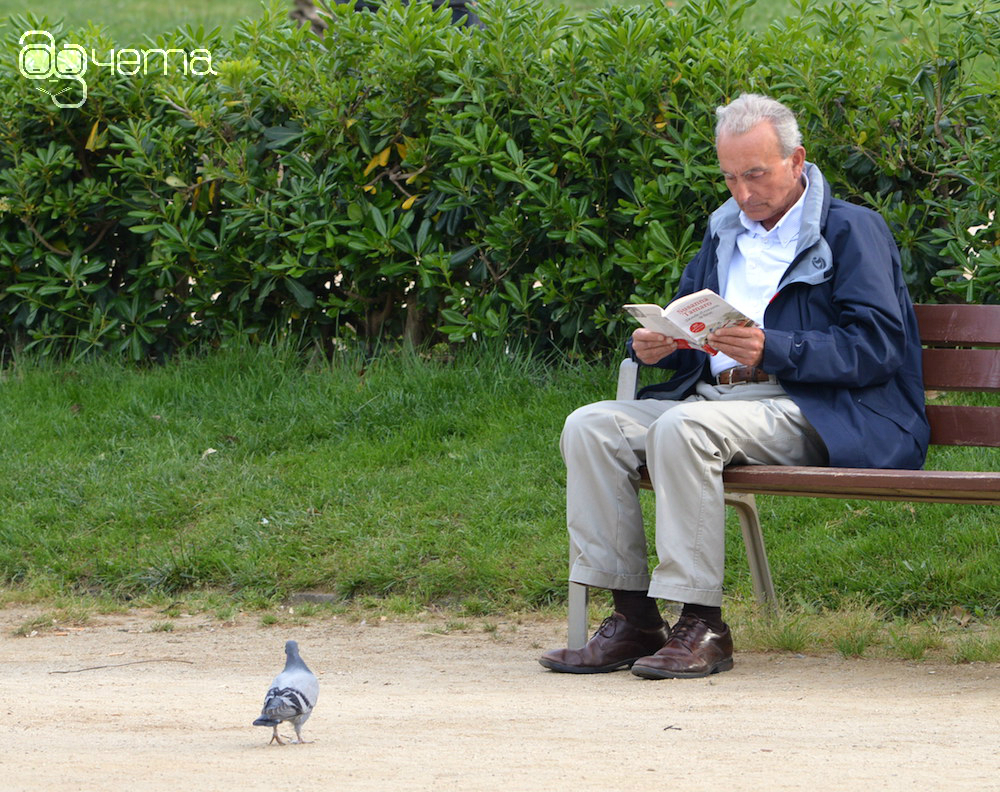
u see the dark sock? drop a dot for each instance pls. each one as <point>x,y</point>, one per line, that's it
<point>638,608</point>
<point>711,615</point>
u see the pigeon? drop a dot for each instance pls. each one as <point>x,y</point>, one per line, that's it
<point>291,697</point>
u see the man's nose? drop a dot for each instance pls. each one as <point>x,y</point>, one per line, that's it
<point>741,192</point>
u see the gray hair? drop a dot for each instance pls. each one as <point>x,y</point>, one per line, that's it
<point>747,110</point>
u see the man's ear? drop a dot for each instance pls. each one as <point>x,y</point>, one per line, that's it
<point>798,160</point>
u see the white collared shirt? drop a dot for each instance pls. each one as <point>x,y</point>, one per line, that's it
<point>760,259</point>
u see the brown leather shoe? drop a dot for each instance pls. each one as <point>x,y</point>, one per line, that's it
<point>693,650</point>
<point>616,644</point>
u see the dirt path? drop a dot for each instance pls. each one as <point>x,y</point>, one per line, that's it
<point>407,707</point>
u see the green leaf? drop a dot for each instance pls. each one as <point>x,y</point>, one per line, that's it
<point>463,255</point>
<point>379,220</point>
<point>302,295</point>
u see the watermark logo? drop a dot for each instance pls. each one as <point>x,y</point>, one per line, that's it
<point>61,73</point>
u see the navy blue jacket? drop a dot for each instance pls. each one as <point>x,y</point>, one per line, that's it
<point>840,333</point>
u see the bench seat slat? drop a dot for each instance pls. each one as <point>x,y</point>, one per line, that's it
<point>932,486</point>
<point>942,486</point>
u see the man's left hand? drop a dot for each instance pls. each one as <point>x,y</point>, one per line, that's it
<point>745,345</point>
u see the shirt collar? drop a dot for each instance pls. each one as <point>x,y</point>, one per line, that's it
<point>787,228</point>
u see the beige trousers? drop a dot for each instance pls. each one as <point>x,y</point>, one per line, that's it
<point>685,445</point>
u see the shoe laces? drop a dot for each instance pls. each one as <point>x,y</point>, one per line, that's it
<point>685,625</point>
<point>608,627</point>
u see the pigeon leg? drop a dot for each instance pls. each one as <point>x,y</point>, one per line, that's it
<point>275,737</point>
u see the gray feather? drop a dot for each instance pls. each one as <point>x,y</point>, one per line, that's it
<point>292,694</point>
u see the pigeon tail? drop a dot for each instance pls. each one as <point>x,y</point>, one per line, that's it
<point>262,721</point>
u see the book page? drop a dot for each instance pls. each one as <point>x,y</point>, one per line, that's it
<point>651,317</point>
<point>691,318</point>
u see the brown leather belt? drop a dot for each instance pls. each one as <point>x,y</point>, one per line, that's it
<point>742,375</point>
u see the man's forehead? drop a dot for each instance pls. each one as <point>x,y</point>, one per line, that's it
<point>753,150</point>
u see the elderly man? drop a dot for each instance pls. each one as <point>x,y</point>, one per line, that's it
<point>831,376</point>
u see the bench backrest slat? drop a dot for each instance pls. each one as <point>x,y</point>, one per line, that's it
<point>964,426</point>
<point>962,369</point>
<point>959,325</point>
<point>961,353</point>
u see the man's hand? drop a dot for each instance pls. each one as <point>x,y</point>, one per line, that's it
<point>651,347</point>
<point>745,345</point>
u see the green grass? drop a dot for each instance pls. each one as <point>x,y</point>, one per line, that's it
<point>244,471</point>
<point>130,21</point>
<point>406,479</point>
<point>977,649</point>
<point>857,629</point>
<point>231,481</point>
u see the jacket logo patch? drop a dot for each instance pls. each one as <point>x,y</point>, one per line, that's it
<point>818,262</point>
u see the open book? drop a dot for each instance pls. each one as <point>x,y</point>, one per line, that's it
<point>689,319</point>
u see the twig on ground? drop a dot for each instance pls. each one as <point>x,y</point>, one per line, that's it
<point>119,665</point>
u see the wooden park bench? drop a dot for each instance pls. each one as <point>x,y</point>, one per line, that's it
<point>961,353</point>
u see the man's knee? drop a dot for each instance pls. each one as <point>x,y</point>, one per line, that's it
<point>687,424</point>
<point>587,428</point>
<point>684,414</point>
<point>585,420</point>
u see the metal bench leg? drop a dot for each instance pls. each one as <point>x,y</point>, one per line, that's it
<point>578,596</point>
<point>578,632</point>
<point>753,538</point>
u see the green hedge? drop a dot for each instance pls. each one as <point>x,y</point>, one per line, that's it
<point>406,179</point>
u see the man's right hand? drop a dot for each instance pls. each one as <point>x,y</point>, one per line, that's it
<point>651,347</point>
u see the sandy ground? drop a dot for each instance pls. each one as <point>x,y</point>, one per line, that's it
<point>412,706</point>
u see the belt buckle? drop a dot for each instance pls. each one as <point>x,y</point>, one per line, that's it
<point>726,377</point>
<point>746,373</point>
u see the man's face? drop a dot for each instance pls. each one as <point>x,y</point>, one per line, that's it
<point>764,183</point>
